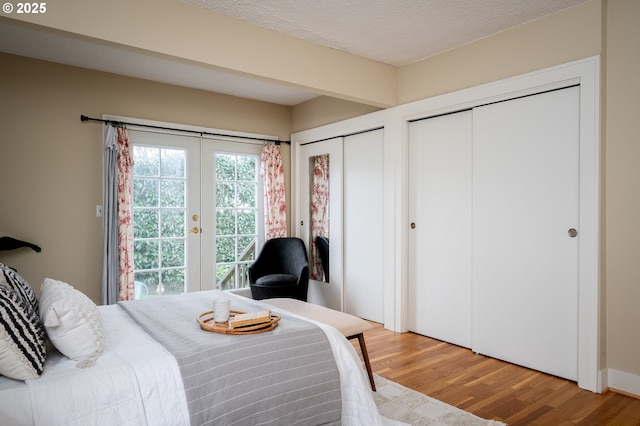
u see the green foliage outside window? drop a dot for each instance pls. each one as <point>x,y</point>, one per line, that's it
<point>160,218</point>
<point>159,201</point>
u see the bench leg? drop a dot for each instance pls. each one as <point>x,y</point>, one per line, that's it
<point>365,356</point>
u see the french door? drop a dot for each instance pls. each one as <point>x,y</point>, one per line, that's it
<point>232,213</point>
<point>166,213</point>
<point>197,212</point>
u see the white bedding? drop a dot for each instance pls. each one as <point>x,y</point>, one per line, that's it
<point>137,382</point>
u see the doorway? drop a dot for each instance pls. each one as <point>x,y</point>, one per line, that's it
<point>198,212</point>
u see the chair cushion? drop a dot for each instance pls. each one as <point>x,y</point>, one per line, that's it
<point>277,280</point>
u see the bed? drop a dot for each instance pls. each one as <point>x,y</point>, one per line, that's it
<point>156,366</point>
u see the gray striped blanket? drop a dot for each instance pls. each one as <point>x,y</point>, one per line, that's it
<point>286,376</point>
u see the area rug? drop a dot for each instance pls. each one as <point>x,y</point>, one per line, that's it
<point>405,405</point>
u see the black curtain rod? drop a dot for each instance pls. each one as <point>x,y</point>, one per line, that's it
<point>123,123</point>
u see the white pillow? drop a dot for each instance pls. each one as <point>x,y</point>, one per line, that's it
<point>72,321</point>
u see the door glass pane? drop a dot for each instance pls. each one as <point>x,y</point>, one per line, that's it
<point>159,219</point>
<point>236,218</point>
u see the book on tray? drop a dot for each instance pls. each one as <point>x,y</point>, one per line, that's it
<point>250,318</point>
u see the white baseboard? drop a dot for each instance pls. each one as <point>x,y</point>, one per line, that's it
<point>624,382</point>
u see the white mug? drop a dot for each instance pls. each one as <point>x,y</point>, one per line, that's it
<point>221,310</point>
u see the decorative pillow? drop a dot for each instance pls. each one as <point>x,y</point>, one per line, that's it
<point>10,277</point>
<point>72,321</point>
<point>22,338</point>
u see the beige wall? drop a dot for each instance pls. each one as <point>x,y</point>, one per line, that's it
<point>51,162</point>
<point>622,162</point>
<point>325,110</point>
<point>568,35</point>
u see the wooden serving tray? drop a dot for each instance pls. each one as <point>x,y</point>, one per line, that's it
<point>208,324</point>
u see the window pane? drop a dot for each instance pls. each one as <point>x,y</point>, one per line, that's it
<point>172,253</point>
<point>247,222</point>
<point>146,161</point>
<point>145,192</point>
<point>225,249</point>
<point>222,274</point>
<point>225,194</point>
<point>247,168</point>
<point>145,255</point>
<point>246,195</point>
<point>160,220</point>
<point>145,223</point>
<point>173,281</point>
<point>225,167</point>
<point>173,163</point>
<point>225,222</point>
<point>172,223</point>
<point>173,193</point>
<point>245,248</point>
<point>150,278</point>
<point>236,200</point>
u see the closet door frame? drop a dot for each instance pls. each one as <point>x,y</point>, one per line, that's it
<point>586,74</point>
<point>392,314</point>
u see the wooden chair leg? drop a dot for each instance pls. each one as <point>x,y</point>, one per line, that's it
<point>365,357</point>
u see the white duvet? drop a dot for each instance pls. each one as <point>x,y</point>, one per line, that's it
<point>137,382</point>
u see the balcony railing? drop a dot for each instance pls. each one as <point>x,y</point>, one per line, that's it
<point>231,281</point>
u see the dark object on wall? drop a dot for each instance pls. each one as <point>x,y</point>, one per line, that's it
<point>322,243</point>
<point>9,243</point>
<point>280,270</point>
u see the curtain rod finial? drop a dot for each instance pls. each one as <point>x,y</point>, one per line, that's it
<point>84,118</point>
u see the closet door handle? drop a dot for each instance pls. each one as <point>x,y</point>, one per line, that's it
<point>573,233</point>
<point>413,225</point>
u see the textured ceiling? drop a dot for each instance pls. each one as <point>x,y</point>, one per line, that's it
<point>396,32</point>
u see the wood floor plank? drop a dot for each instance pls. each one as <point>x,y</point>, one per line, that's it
<point>491,388</point>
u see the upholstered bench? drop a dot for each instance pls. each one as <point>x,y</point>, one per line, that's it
<point>350,326</point>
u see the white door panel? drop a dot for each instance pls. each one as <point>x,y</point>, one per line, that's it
<point>440,242</point>
<point>363,230</point>
<point>525,199</point>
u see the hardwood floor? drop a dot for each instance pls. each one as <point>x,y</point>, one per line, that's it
<point>490,388</point>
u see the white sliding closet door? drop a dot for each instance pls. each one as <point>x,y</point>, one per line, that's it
<point>525,202</point>
<point>440,235</point>
<point>363,225</point>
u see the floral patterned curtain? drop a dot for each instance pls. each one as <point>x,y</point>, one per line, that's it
<point>319,211</point>
<point>275,206</point>
<point>126,283</point>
